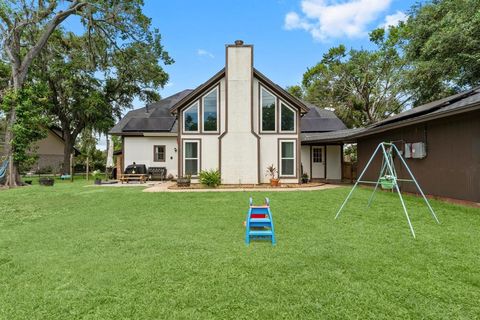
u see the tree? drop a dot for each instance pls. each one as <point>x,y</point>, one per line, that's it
<point>442,44</point>
<point>362,86</point>
<point>296,91</point>
<point>87,145</point>
<point>91,93</point>
<point>31,122</point>
<point>26,26</point>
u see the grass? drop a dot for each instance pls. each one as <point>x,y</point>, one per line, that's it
<point>75,252</point>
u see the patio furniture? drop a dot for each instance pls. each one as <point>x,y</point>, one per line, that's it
<point>157,173</point>
<point>134,172</point>
<point>142,178</point>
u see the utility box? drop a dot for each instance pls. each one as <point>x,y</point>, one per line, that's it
<point>416,150</point>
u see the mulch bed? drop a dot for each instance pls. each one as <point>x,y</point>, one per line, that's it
<point>250,186</point>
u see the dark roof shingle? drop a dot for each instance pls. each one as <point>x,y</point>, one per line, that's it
<point>154,117</point>
<point>320,120</point>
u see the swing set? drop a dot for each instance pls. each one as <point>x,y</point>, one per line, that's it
<point>388,179</point>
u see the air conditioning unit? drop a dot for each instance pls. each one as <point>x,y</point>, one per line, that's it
<point>416,150</point>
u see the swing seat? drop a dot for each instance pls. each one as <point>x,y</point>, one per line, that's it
<point>387,183</point>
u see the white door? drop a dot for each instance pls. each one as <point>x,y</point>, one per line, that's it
<point>318,162</point>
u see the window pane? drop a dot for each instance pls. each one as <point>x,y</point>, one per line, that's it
<point>210,112</point>
<point>317,155</point>
<point>287,150</point>
<point>288,119</point>
<point>288,167</point>
<point>268,111</point>
<point>159,153</point>
<point>191,118</point>
<point>191,150</point>
<point>191,167</point>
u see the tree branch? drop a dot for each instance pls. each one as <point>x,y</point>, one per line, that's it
<point>6,19</point>
<point>54,22</point>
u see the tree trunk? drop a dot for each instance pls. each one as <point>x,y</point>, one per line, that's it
<point>67,151</point>
<point>13,176</point>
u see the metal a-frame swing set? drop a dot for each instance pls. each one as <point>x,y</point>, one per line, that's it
<point>388,179</point>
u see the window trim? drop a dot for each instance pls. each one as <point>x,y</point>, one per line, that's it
<point>199,155</point>
<point>260,107</point>
<point>295,159</point>
<point>196,103</point>
<point>282,103</point>
<point>155,153</point>
<point>203,111</point>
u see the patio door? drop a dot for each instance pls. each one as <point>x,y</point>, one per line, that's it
<point>318,162</point>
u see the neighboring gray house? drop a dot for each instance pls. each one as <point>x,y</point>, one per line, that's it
<point>239,122</point>
<point>49,151</point>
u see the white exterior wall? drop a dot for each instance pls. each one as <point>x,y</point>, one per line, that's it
<point>209,152</point>
<point>306,159</point>
<point>334,162</point>
<point>140,151</point>
<point>239,144</point>
<point>269,143</point>
<point>270,154</point>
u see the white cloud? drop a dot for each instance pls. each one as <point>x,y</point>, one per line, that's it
<point>205,53</point>
<point>325,19</point>
<point>394,19</point>
<point>169,84</point>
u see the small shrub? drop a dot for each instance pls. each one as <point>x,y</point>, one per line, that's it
<point>211,178</point>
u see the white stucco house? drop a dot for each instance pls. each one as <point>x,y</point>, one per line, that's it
<point>239,122</point>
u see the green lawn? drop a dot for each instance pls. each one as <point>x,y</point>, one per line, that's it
<point>75,252</point>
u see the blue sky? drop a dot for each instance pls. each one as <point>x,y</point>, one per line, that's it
<point>288,35</point>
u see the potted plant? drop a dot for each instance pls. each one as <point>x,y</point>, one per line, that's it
<point>184,181</point>
<point>304,177</point>
<point>96,177</point>
<point>272,173</point>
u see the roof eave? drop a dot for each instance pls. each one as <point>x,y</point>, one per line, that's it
<point>419,119</point>
<point>281,92</point>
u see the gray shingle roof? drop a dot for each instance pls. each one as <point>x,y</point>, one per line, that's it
<point>157,117</point>
<point>154,117</point>
<point>320,120</point>
<point>333,136</point>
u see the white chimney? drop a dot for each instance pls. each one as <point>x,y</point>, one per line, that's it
<point>239,145</point>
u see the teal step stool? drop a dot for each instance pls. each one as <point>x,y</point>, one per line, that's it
<point>259,223</point>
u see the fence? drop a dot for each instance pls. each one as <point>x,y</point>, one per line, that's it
<point>349,171</point>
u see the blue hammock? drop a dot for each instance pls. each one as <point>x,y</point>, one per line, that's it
<point>3,170</point>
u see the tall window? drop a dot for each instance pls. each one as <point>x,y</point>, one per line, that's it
<point>159,153</point>
<point>190,118</point>
<point>191,162</point>
<point>210,107</point>
<point>268,110</point>
<point>287,118</point>
<point>287,164</point>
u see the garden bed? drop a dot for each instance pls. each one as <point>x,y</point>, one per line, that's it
<point>196,186</point>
